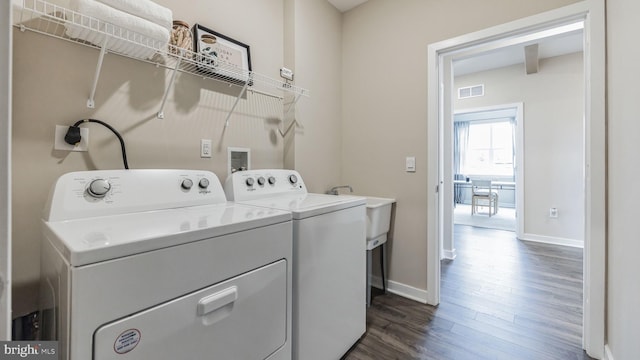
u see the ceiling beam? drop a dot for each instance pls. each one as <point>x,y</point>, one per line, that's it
<point>531,58</point>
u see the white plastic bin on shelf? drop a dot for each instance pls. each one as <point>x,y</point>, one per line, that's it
<point>378,225</point>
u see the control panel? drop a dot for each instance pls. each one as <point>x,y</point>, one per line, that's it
<point>110,192</point>
<point>255,184</point>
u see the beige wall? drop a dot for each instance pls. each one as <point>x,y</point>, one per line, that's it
<point>53,88</point>
<point>553,139</point>
<point>317,139</point>
<point>5,166</point>
<point>385,104</point>
<point>623,267</point>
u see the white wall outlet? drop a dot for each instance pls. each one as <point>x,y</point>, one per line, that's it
<point>205,148</point>
<point>553,212</point>
<point>410,164</point>
<point>60,144</point>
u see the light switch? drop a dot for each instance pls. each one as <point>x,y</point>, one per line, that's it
<point>410,164</point>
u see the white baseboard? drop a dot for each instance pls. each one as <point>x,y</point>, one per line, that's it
<point>553,240</point>
<point>607,353</point>
<point>400,289</point>
<point>449,254</point>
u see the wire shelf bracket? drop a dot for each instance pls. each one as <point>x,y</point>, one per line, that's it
<point>169,86</point>
<point>91,101</point>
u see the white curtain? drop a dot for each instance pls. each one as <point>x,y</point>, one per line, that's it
<point>460,144</point>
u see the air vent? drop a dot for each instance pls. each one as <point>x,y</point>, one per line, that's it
<point>470,91</point>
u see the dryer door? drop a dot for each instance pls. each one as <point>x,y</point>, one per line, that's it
<point>241,318</point>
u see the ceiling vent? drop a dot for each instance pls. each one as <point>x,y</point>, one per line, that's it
<point>470,91</point>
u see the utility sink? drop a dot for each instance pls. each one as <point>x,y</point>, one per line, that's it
<point>378,220</point>
<point>378,225</point>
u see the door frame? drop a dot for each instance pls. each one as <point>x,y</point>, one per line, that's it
<point>440,57</point>
<point>6,37</point>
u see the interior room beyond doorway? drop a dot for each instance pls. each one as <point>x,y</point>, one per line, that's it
<point>484,167</point>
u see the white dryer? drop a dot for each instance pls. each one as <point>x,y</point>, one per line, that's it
<point>155,264</point>
<point>329,262</point>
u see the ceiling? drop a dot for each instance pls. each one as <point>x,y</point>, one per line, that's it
<point>565,42</point>
<point>346,5</point>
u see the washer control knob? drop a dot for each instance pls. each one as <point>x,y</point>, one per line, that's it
<point>271,180</point>
<point>203,183</point>
<point>187,184</point>
<point>261,181</point>
<point>249,181</point>
<point>293,179</point>
<point>99,188</point>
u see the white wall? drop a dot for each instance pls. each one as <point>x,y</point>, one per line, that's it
<point>623,286</point>
<point>553,139</point>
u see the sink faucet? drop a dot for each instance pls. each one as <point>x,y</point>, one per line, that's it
<point>334,190</point>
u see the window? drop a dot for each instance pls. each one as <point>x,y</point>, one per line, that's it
<point>490,149</point>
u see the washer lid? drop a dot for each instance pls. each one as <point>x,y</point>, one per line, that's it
<point>307,205</point>
<point>91,240</point>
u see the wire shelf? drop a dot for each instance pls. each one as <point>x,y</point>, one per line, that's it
<point>56,21</point>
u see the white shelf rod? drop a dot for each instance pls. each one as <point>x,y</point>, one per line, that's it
<point>169,86</point>
<point>90,102</point>
<point>244,89</point>
<point>254,91</point>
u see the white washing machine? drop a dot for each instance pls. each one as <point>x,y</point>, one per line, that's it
<point>329,262</point>
<point>155,264</point>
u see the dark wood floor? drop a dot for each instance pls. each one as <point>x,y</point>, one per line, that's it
<point>501,298</point>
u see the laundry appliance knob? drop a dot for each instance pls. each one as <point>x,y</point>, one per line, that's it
<point>249,181</point>
<point>99,188</point>
<point>261,181</point>
<point>293,179</point>
<point>187,184</point>
<point>204,183</point>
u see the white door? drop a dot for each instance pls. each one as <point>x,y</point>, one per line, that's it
<point>5,170</point>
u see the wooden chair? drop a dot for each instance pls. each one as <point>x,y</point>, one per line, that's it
<point>482,194</point>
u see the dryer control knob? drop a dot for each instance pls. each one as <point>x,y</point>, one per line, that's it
<point>204,183</point>
<point>272,180</point>
<point>249,181</point>
<point>99,188</point>
<point>261,181</point>
<point>187,184</point>
<point>293,179</point>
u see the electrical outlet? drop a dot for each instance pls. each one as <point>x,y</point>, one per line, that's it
<point>553,212</point>
<point>205,148</point>
<point>60,144</point>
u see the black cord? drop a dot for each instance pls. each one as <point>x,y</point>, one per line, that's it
<point>124,151</point>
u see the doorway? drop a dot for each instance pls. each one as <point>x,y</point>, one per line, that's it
<point>441,57</point>
<point>487,145</point>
